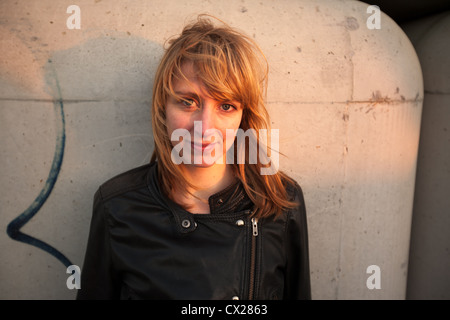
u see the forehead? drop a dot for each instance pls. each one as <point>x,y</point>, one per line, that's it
<point>208,80</point>
<point>187,73</point>
<point>187,79</point>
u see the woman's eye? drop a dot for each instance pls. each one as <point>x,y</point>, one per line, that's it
<point>188,102</point>
<point>227,107</point>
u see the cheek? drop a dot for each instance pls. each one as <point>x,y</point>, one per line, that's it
<point>233,125</point>
<point>175,121</point>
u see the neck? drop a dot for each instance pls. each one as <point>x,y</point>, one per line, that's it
<point>208,181</point>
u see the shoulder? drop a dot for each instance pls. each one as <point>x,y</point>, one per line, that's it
<point>296,216</point>
<point>293,189</point>
<point>297,213</point>
<point>127,181</point>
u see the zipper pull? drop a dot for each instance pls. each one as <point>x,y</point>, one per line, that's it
<point>255,226</point>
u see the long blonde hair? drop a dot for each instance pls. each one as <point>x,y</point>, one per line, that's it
<point>233,68</point>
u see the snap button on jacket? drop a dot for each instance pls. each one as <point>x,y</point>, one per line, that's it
<point>142,245</point>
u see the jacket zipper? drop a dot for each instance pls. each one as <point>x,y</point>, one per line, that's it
<point>251,289</point>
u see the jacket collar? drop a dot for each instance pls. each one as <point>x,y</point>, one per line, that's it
<point>232,199</point>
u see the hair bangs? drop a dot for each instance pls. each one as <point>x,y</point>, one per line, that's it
<point>226,62</point>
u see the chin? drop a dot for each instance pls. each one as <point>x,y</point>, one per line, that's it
<point>205,164</point>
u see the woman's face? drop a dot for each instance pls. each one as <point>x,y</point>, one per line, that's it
<point>208,126</point>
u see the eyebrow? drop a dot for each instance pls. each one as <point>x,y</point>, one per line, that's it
<point>186,93</point>
<point>197,97</point>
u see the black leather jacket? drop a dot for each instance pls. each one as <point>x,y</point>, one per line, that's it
<point>142,245</point>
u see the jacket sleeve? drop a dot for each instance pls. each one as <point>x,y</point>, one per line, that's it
<point>297,282</point>
<point>98,278</point>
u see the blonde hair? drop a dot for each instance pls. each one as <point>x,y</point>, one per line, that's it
<point>233,68</point>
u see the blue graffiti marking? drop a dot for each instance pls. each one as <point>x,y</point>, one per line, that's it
<point>14,226</point>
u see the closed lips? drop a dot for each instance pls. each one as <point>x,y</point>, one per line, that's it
<point>202,145</point>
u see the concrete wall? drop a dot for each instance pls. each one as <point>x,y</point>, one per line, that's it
<point>74,111</point>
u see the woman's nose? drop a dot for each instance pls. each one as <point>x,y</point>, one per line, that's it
<point>207,118</point>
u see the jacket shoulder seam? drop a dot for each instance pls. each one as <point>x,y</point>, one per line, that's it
<point>125,182</point>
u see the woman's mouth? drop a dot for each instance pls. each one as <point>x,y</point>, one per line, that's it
<point>202,145</point>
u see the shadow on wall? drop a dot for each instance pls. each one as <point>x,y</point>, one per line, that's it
<point>101,93</point>
<point>429,259</point>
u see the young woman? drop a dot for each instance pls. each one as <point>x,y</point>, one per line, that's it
<point>202,221</point>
